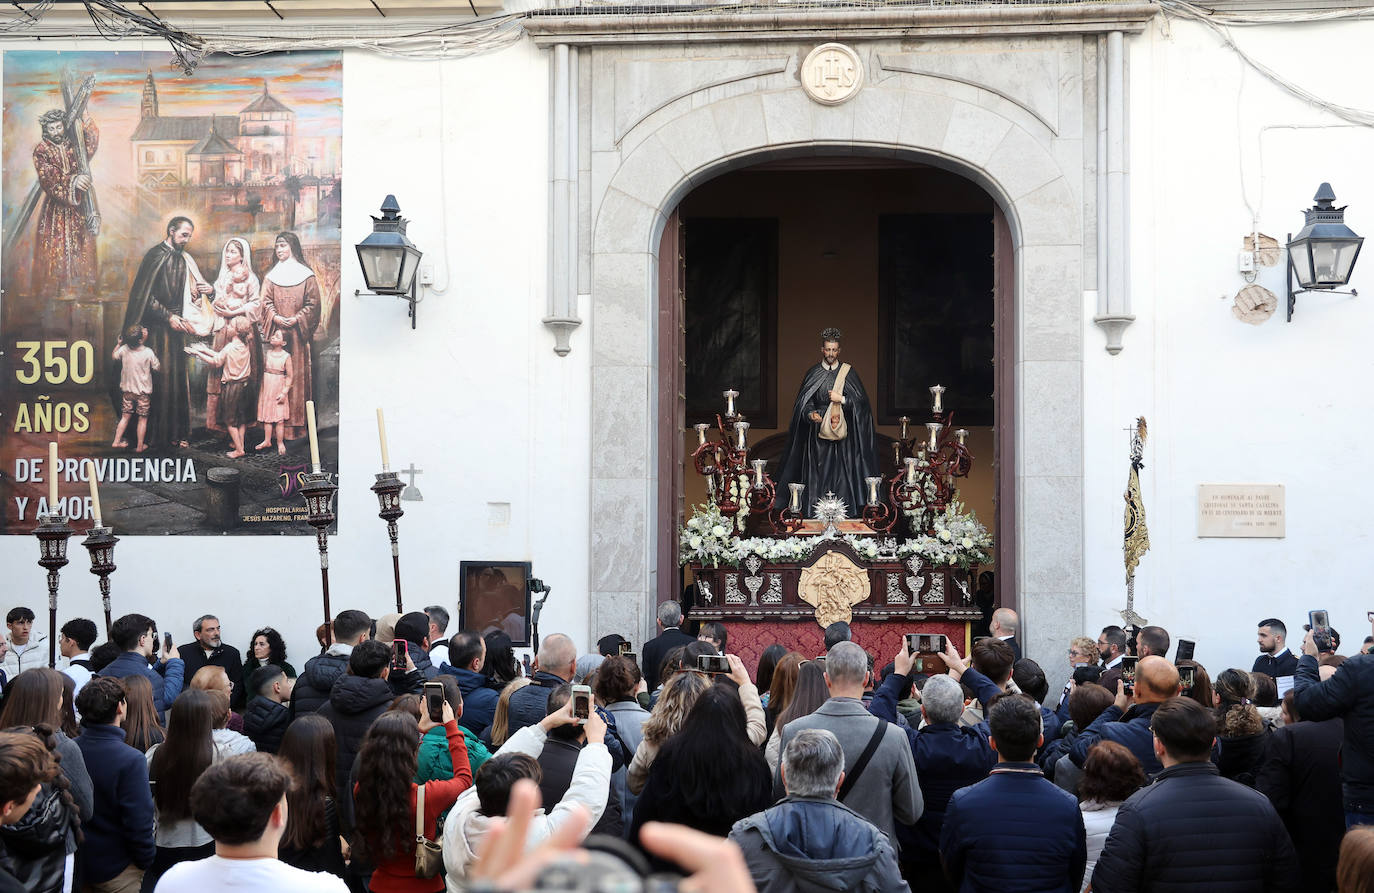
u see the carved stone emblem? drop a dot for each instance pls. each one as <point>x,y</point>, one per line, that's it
<point>832,73</point>
<point>833,585</point>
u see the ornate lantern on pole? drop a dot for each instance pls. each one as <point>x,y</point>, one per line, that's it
<point>100,542</point>
<point>52,532</point>
<point>388,489</point>
<point>319,491</point>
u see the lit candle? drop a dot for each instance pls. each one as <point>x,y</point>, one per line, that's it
<point>935,392</point>
<point>897,452</point>
<point>701,434</point>
<point>905,422</point>
<point>934,433</point>
<point>962,434</point>
<point>911,471</point>
<point>314,439</point>
<point>95,491</point>
<point>730,401</point>
<point>52,475</point>
<point>711,487</point>
<point>796,495</point>
<point>873,489</point>
<point>381,436</point>
<point>743,429</point>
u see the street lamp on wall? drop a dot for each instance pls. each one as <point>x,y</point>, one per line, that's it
<point>1322,255</point>
<point>389,259</point>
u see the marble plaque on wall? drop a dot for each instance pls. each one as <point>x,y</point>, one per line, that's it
<point>1243,510</point>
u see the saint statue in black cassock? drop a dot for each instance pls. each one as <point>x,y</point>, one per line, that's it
<point>837,466</point>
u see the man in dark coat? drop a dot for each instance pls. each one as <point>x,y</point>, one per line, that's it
<point>558,762</point>
<point>1275,659</point>
<point>414,629</point>
<point>1348,694</point>
<point>356,700</point>
<point>322,671</point>
<point>467,651</point>
<point>1015,831</point>
<point>826,466</point>
<point>1111,644</point>
<point>209,650</point>
<point>1127,721</point>
<point>1301,776</point>
<point>156,301</point>
<point>267,716</point>
<point>1190,827</point>
<point>670,636</point>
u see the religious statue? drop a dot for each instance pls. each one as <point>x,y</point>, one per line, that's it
<point>830,440</point>
<point>64,250</point>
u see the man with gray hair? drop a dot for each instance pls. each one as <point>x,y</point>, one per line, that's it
<point>882,784</point>
<point>670,636</point>
<point>208,650</point>
<point>438,625</point>
<point>809,840</point>
<point>948,755</point>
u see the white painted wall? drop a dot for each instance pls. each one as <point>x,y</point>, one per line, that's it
<point>1229,402</point>
<point>475,396</point>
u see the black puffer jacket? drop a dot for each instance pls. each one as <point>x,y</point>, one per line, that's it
<point>1350,695</point>
<point>35,847</point>
<point>265,721</point>
<point>316,682</point>
<point>1192,827</point>
<point>353,704</point>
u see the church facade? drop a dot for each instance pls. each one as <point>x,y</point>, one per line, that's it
<point>1130,154</point>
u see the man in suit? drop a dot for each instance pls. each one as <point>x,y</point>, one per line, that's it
<point>209,650</point>
<point>1111,644</point>
<point>670,636</point>
<point>884,790</point>
<point>1004,625</point>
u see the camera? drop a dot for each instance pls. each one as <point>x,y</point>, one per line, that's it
<point>713,663</point>
<point>582,703</point>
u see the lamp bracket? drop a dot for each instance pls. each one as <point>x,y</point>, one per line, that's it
<point>412,299</point>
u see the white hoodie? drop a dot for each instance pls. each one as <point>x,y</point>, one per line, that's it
<point>466,827</point>
<point>25,657</point>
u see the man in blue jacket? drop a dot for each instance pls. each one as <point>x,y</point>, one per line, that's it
<point>136,637</point>
<point>1127,721</point>
<point>118,845</point>
<point>1014,831</point>
<point>467,652</point>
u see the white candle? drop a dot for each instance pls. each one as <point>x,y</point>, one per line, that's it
<point>758,472</point>
<point>95,491</point>
<point>935,393</point>
<point>796,495</point>
<point>381,435</point>
<point>962,434</point>
<point>905,422</point>
<point>873,489</point>
<point>934,434</point>
<point>911,471</point>
<point>730,401</point>
<point>701,433</point>
<point>743,429</point>
<point>52,475</point>
<point>314,439</point>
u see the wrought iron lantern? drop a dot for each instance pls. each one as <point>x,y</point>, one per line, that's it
<point>1322,255</point>
<point>388,258</point>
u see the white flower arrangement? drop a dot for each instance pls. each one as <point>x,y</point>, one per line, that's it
<point>707,538</point>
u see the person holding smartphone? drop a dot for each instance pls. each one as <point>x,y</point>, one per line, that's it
<point>1127,721</point>
<point>138,642</point>
<point>1349,694</point>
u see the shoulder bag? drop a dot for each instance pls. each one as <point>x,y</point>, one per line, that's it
<point>852,777</point>
<point>833,425</point>
<point>429,855</point>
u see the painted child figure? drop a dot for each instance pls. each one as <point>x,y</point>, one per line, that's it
<point>137,363</point>
<point>236,361</point>
<point>274,400</point>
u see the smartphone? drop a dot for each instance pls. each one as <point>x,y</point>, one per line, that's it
<point>1128,673</point>
<point>434,701</point>
<point>1187,677</point>
<point>1185,651</point>
<point>1318,620</point>
<point>398,656</point>
<point>582,703</point>
<point>625,647</point>
<point>937,643</point>
<point>913,643</point>
<point>630,656</point>
<point>713,663</point>
<point>1370,615</point>
<point>166,641</point>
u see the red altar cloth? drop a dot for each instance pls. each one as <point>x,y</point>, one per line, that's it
<point>749,638</point>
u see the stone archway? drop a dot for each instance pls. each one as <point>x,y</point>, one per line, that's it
<point>654,123</point>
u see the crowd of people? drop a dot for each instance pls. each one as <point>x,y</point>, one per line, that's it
<point>402,759</point>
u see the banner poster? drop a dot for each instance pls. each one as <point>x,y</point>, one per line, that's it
<point>170,276</point>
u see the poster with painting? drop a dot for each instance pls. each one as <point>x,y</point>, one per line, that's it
<point>170,269</point>
<point>495,596</point>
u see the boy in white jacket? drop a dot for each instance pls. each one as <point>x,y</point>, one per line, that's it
<point>469,820</point>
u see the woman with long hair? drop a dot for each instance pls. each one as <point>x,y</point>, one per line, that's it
<point>709,775</point>
<point>1240,729</point>
<point>141,727</point>
<point>268,647</point>
<point>173,766</point>
<point>70,727</point>
<point>216,678</point>
<point>496,734</point>
<point>1110,775</point>
<point>25,766</point>
<point>810,692</point>
<point>781,685</point>
<point>38,845</point>
<point>763,673</point>
<point>384,808</point>
<point>291,305</point>
<point>312,841</point>
<point>500,666</point>
<point>679,695</point>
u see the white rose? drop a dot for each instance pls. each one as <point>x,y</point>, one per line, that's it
<point>694,542</point>
<point>695,523</point>
<point>718,531</point>
<point>968,542</point>
<point>945,535</point>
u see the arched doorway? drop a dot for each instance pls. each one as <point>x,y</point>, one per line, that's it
<point>913,262</point>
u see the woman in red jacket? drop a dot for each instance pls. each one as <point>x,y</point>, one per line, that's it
<point>384,798</point>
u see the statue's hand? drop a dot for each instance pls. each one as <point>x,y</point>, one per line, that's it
<point>815,417</point>
<point>836,397</point>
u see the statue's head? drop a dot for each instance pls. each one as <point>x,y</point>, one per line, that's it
<point>54,126</point>
<point>830,344</point>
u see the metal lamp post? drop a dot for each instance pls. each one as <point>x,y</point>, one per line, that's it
<point>1322,255</point>
<point>52,532</point>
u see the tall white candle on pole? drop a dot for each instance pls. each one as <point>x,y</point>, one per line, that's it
<point>95,491</point>
<point>52,475</point>
<point>314,439</point>
<point>381,435</point>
